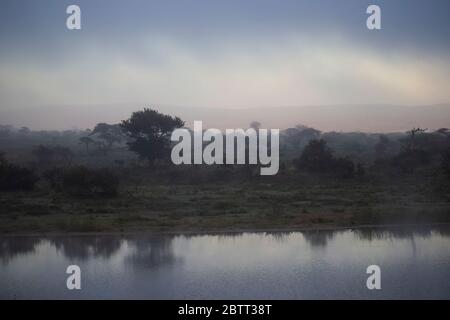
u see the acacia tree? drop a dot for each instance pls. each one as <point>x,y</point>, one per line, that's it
<point>109,133</point>
<point>412,136</point>
<point>316,157</point>
<point>150,133</point>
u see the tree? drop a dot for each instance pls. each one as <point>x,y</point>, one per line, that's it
<point>63,154</point>
<point>298,137</point>
<point>444,131</point>
<point>24,131</point>
<point>255,125</point>
<point>15,178</point>
<point>110,133</point>
<point>2,158</point>
<point>446,162</point>
<point>382,146</point>
<point>5,131</point>
<point>150,133</point>
<point>412,137</point>
<point>316,157</point>
<point>83,181</point>
<point>50,154</point>
<point>43,153</point>
<point>86,141</point>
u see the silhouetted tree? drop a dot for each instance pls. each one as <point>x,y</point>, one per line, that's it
<point>446,162</point>
<point>410,159</point>
<point>109,133</point>
<point>83,181</point>
<point>43,153</point>
<point>381,146</point>
<point>316,157</point>
<point>24,131</point>
<point>299,136</point>
<point>255,125</point>
<point>360,170</point>
<point>50,154</point>
<point>16,178</point>
<point>150,133</point>
<point>5,131</point>
<point>2,158</point>
<point>412,137</point>
<point>63,154</point>
<point>86,141</point>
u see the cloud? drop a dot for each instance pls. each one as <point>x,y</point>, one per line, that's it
<point>291,70</point>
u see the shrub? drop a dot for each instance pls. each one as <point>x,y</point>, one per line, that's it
<point>318,158</point>
<point>54,177</point>
<point>344,167</point>
<point>408,160</point>
<point>446,162</point>
<point>16,178</point>
<point>83,181</point>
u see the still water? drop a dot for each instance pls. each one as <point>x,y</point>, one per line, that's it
<point>295,265</point>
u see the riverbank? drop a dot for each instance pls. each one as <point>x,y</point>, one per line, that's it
<point>217,208</point>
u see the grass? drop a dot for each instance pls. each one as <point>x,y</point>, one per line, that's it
<point>236,206</point>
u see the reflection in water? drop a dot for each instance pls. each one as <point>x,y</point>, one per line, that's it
<point>10,247</point>
<point>84,247</point>
<point>401,232</point>
<point>152,252</point>
<point>157,250</point>
<point>286,265</point>
<point>149,251</point>
<point>319,238</point>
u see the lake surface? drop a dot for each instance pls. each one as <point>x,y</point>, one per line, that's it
<point>296,265</point>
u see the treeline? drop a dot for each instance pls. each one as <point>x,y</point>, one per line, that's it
<point>95,162</point>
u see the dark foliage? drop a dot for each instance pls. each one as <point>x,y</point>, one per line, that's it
<point>343,167</point>
<point>318,158</point>
<point>47,155</point>
<point>83,181</point>
<point>108,133</point>
<point>446,162</point>
<point>411,159</point>
<point>16,178</point>
<point>150,133</point>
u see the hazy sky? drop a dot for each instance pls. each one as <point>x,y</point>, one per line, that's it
<point>223,53</point>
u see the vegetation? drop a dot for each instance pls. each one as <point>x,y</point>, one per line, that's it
<point>15,178</point>
<point>150,133</point>
<point>95,180</point>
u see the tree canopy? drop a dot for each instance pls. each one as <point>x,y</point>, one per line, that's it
<point>150,133</point>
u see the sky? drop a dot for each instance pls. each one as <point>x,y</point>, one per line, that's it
<point>220,54</point>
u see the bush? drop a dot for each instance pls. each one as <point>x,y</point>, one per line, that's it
<point>446,162</point>
<point>318,158</point>
<point>16,178</point>
<point>83,181</point>
<point>54,177</point>
<point>409,160</point>
<point>344,167</point>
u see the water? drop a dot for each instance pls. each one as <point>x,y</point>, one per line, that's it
<point>298,265</point>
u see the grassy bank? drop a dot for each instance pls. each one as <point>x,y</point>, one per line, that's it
<point>249,206</point>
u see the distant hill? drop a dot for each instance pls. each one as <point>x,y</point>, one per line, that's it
<point>367,118</point>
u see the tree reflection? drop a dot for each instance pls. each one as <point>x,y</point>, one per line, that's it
<point>401,232</point>
<point>84,247</point>
<point>319,238</point>
<point>11,247</point>
<point>152,252</point>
